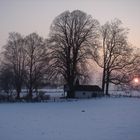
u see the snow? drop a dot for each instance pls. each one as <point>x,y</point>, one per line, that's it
<point>89,119</point>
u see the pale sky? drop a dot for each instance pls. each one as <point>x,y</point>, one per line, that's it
<point>27,16</point>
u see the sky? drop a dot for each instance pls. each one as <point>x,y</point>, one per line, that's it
<point>27,16</point>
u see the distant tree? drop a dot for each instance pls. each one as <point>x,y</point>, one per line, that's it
<point>73,35</point>
<point>115,56</point>
<point>133,72</point>
<point>14,58</point>
<point>36,62</point>
<point>127,71</point>
<point>6,81</point>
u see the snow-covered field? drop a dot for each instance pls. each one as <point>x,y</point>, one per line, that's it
<point>89,119</point>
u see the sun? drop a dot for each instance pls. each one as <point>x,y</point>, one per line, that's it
<point>136,80</point>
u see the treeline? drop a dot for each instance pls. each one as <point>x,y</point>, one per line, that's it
<point>75,39</point>
<point>24,63</point>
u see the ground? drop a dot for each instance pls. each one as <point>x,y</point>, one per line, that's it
<point>89,119</point>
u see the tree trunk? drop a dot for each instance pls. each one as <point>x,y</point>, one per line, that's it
<point>107,88</point>
<point>18,95</point>
<point>30,93</point>
<point>103,80</point>
<point>104,66</point>
<point>107,83</point>
<point>18,90</point>
<point>70,93</point>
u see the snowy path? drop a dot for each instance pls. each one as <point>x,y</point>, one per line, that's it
<point>103,119</point>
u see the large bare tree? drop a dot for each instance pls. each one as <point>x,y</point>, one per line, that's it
<point>115,56</point>
<point>14,59</point>
<point>72,36</point>
<point>35,62</point>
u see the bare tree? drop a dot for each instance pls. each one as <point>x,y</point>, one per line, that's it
<point>72,36</point>
<point>14,59</point>
<point>132,72</point>
<point>35,61</point>
<point>6,81</point>
<point>115,54</point>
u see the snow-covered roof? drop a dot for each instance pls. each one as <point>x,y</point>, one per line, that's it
<point>87,88</point>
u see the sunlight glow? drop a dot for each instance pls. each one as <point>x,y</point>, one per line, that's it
<point>136,80</point>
